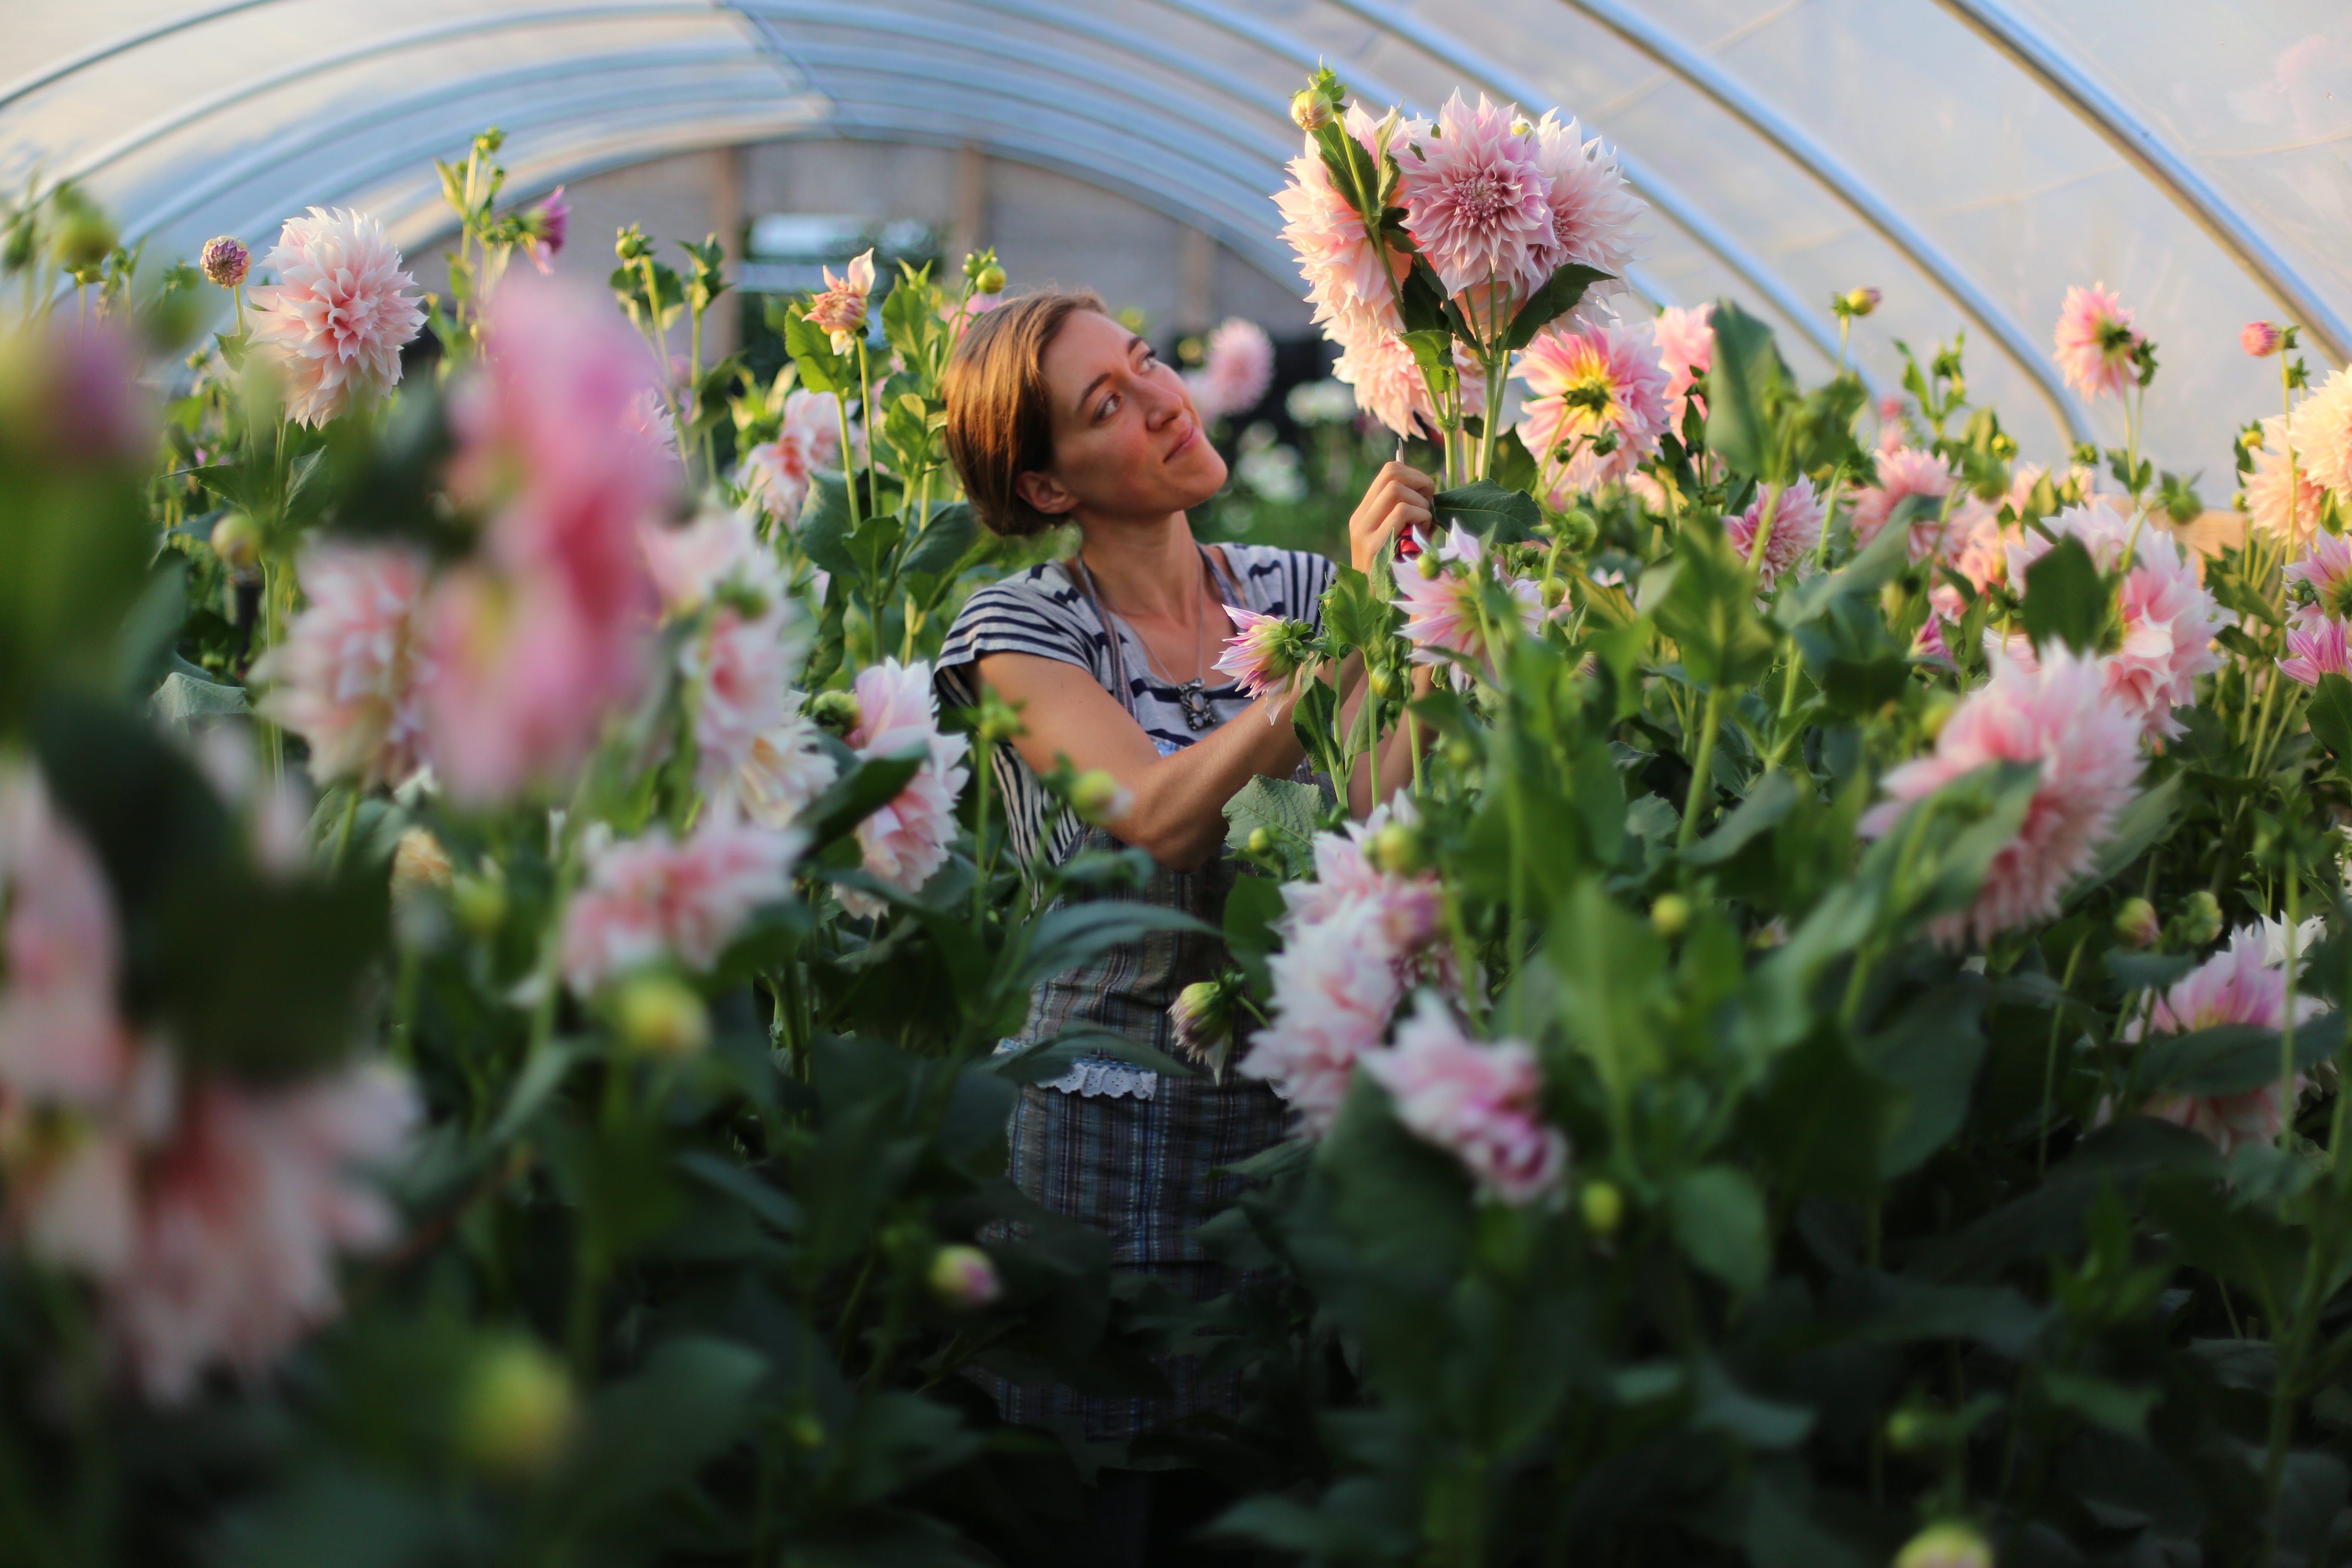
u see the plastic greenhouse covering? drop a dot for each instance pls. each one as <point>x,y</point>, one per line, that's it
<point>1971,158</point>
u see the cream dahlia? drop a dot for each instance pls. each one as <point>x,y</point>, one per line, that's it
<point>334,321</point>
<point>649,899</point>
<point>2283,512</point>
<point>345,677</point>
<point>1351,282</point>
<point>840,308</point>
<point>2323,434</point>
<point>775,474</point>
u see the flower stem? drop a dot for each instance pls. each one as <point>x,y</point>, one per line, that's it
<point>1701,766</point>
<point>2286,1025</point>
<point>2049,1063</point>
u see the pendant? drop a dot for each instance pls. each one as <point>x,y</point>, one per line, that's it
<point>1194,701</point>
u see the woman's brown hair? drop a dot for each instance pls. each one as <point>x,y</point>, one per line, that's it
<point>1000,412</point>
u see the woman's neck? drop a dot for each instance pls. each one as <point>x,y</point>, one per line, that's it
<point>1151,568</point>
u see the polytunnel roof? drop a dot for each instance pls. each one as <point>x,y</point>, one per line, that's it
<point>1971,158</point>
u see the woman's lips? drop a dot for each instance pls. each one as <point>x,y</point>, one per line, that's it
<point>1183,444</point>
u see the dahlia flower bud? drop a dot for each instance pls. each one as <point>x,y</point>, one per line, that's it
<point>1099,798</point>
<point>2199,920</point>
<point>964,1278</point>
<point>991,281</point>
<point>1267,654</point>
<point>1308,111</point>
<point>1946,1545</point>
<point>479,903</point>
<point>631,244</point>
<point>84,237</point>
<point>2260,338</point>
<point>550,223</point>
<point>840,308</point>
<point>1261,842</point>
<point>1603,1207</point>
<point>1857,301</point>
<point>1398,850</point>
<point>2136,925</point>
<point>1428,565</point>
<point>418,863</point>
<point>660,1016</point>
<point>1671,915</point>
<point>237,540</point>
<point>834,711</point>
<point>226,260</point>
<point>1203,1016</point>
<point>517,1409</point>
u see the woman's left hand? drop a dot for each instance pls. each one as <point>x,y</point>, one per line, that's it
<point>1402,497</point>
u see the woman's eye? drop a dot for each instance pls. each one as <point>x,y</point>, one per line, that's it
<point>1109,407</point>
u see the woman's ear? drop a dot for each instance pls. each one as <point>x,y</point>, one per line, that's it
<point>1044,492</point>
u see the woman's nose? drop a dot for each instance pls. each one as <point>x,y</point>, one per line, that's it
<point>1163,399</point>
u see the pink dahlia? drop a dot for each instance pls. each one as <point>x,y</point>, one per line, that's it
<point>2260,338</point>
<point>1475,196</point>
<point>740,673</point>
<point>2323,434</point>
<point>243,1213</point>
<point>787,768</point>
<point>344,679</point>
<point>1335,984</point>
<point>1481,1103</point>
<point>1976,545</point>
<point>544,229</point>
<point>1441,613</point>
<point>906,841</point>
<point>2315,648</point>
<point>840,308</point>
<point>1388,383</point>
<point>2087,745</point>
<point>645,899</point>
<point>2236,985</point>
<point>2168,619</point>
<point>334,321</point>
<point>1593,213</point>
<point>1596,406</point>
<point>2096,342</point>
<point>1351,282</point>
<point>1796,529</point>
<point>2283,511</point>
<point>688,564</point>
<point>2320,585</point>
<point>775,474</point>
<point>1685,343</point>
<point>1236,368</point>
<point>1902,473</point>
<point>62,1038</point>
<point>1267,654</point>
<point>534,646</point>
<point>1406,907</point>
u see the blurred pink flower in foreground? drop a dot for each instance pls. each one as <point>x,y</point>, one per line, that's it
<point>775,474</point>
<point>1903,472</point>
<point>1796,529</point>
<point>2236,985</point>
<point>334,321</point>
<point>650,899</point>
<point>2169,619</point>
<point>906,841</point>
<point>1475,196</point>
<point>344,679</point>
<point>2060,717</point>
<point>1479,1102</point>
<point>1596,405</point>
<point>531,646</point>
<point>1685,340</point>
<point>1237,367</point>
<point>2094,342</point>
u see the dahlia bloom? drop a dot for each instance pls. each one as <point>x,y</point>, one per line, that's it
<point>906,841</point>
<point>1441,613</point>
<point>1597,405</point>
<point>2323,434</point>
<point>840,308</point>
<point>1236,368</point>
<point>2058,715</point>
<point>1796,529</point>
<point>334,321</point>
<point>1406,908</point>
<point>775,474</point>
<point>2236,985</point>
<point>788,768</point>
<point>2272,505</point>
<point>2169,619</point>
<point>61,1036</point>
<point>688,564</point>
<point>1976,546</point>
<point>2315,648</point>
<point>648,899</point>
<point>2308,934</point>
<point>344,679</point>
<point>1386,382</point>
<point>1267,654</point>
<point>1685,343</point>
<point>2260,338</point>
<point>2094,342</point>
<point>545,228</point>
<point>1903,472</point>
<point>1481,1103</point>
<point>226,261</point>
<point>530,649</point>
<point>1593,213</point>
<point>1475,198</point>
<point>2320,585</point>
<point>1349,281</point>
<point>740,671</point>
<point>1335,984</point>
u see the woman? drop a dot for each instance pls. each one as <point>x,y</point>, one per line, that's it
<point>1057,413</point>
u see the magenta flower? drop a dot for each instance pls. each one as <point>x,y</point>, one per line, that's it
<point>334,321</point>
<point>2168,619</point>
<point>544,229</point>
<point>1685,341</point>
<point>1796,529</point>
<point>2096,342</point>
<point>840,309</point>
<point>2315,648</point>
<point>2236,985</point>
<point>2260,338</point>
<point>1481,1103</point>
<point>1593,213</point>
<point>906,841</point>
<point>645,900</point>
<point>1475,196</point>
<point>2061,717</point>
<point>1235,369</point>
<point>344,679</point>
<point>1902,473</point>
<point>1596,406</point>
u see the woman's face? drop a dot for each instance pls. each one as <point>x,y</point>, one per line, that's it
<point>1126,441</point>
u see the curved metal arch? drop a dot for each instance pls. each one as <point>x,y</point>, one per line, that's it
<point>2032,52</point>
<point>1842,181</point>
<point>122,45</point>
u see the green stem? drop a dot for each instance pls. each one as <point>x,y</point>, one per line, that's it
<point>1701,767</point>
<point>2049,1063</point>
<point>866,412</point>
<point>343,829</point>
<point>2286,1026</point>
<point>848,474</point>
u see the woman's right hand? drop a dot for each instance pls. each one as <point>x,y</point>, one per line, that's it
<point>1401,497</point>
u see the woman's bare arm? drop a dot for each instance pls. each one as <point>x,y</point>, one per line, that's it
<point>1178,813</point>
